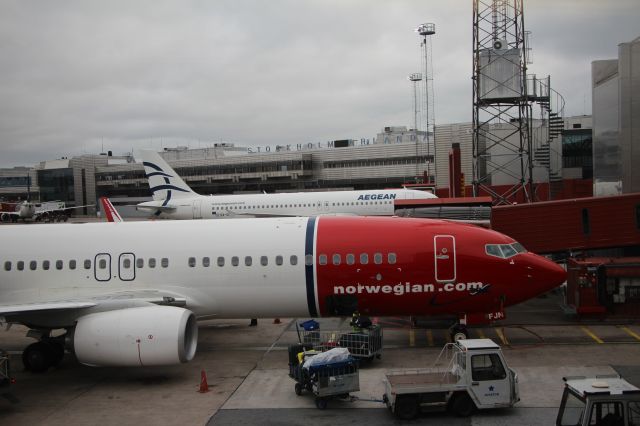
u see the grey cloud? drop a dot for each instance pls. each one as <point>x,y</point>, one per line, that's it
<point>255,72</point>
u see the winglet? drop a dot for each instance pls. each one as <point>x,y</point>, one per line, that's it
<point>164,182</point>
<point>110,212</point>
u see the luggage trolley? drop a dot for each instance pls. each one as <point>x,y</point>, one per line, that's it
<point>325,380</point>
<point>364,343</point>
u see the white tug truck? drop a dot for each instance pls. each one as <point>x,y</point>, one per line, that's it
<point>600,400</point>
<point>467,375</point>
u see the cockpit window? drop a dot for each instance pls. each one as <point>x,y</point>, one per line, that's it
<point>519,247</point>
<point>504,251</point>
<point>493,250</point>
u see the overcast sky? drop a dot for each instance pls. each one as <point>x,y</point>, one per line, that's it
<point>79,75</point>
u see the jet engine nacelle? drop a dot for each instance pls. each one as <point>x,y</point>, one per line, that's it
<point>5,217</point>
<point>144,336</point>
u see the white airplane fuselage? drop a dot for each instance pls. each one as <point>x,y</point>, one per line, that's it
<point>360,203</point>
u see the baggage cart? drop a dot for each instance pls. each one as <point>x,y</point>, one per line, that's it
<point>363,344</point>
<point>326,380</point>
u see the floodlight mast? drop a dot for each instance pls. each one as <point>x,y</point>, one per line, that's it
<point>426,31</point>
<point>415,78</point>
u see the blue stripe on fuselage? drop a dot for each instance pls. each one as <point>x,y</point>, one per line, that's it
<point>308,269</point>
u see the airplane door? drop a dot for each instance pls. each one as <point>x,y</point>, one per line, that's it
<point>197,209</point>
<point>102,267</point>
<point>127,266</point>
<point>444,250</point>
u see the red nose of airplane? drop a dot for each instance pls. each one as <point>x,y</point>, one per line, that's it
<point>548,275</point>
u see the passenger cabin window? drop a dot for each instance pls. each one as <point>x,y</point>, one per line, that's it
<point>152,262</point>
<point>164,262</point>
<point>337,259</point>
<point>33,265</point>
<point>7,266</point>
<point>279,260</point>
<point>308,260</point>
<point>126,263</point>
<point>45,265</point>
<point>364,258</point>
<point>264,260</point>
<point>102,264</point>
<point>20,265</point>
<point>235,261</point>
<point>377,258</point>
<point>72,264</point>
<point>351,259</point>
<point>293,260</point>
<point>248,261</point>
<point>206,262</point>
<point>220,261</point>
<point>391,258</point>
<point>192,262</point>
<point>59,264</point>
<point>322,259</point>
<point>87,264</point>
<point>139,263</point>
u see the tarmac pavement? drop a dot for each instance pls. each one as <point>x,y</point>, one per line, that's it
<point>246,368</point>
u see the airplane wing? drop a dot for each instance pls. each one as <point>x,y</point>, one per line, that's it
<point>32,307</point>
<point>115,300</point>
<point>110,211</point>
<point>156,208</point>
<point>77,207</point>
<point>64,209</point>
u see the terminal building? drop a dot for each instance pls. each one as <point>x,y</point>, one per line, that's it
<point>397,156</point>
<point>616,121</point>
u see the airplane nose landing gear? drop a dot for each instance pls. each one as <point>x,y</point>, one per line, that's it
<point>458,332</point>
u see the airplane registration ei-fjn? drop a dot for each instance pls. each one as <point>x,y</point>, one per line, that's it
<point>130,293</point>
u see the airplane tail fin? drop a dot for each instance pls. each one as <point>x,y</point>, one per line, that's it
<point>110,212</point>
<point>164,182</point>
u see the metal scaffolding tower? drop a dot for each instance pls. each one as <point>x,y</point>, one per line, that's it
<point>502,144</point>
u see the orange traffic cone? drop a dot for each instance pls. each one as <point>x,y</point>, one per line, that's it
<point>276,321</point>
<point>204,386</point>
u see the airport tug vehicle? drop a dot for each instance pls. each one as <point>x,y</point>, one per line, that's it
<point>467,375</point>
<point>601,400</point>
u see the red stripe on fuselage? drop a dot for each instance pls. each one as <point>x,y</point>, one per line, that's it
<point>409,286</point>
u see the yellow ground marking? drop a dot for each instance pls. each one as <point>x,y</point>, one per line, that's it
<point>630,332</point>
<point>412,337</point>
<point>429,337</point>
<point>591,334</point>
<point>481,334</point>
<point>501,335</point>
